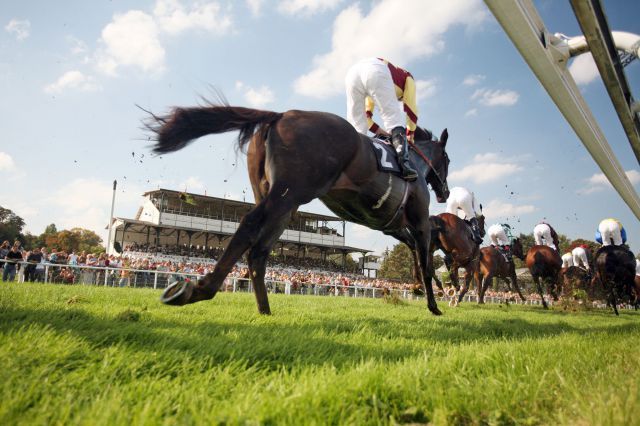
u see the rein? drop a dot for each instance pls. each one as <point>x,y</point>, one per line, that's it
<point>428,161</point>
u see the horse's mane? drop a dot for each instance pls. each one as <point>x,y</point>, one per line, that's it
<point>423,135</point>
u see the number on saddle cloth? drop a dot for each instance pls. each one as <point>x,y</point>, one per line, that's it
<point>386,156</point>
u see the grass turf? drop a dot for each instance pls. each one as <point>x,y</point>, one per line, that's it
<point>93,355</point>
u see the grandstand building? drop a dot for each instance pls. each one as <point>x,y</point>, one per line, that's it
<point>190,224</point>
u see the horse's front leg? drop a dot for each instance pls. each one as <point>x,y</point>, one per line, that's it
<point>422,239</point>
<point>514,280</point>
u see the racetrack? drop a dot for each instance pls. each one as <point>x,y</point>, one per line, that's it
<point>94,355</point>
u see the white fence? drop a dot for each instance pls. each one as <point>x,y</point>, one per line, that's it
<point>125,277</point>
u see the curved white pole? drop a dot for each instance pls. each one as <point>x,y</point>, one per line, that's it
<point>624,41</point>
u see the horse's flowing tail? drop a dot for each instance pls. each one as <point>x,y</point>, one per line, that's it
<point>183,125</point>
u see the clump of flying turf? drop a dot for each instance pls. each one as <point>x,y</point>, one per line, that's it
<point>128,315</point>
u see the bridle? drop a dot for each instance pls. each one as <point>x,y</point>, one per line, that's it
<point>443,182</point>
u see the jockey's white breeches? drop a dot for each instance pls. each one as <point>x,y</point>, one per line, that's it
<point>497,235</point>
<point>580,257</point>
<point>543,232</point>
<point>637,267</point>
<point>567,260</point>
<point>610,230</point>
<point>371,77</point>
<point>461,199</point>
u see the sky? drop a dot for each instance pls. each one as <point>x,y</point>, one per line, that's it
<point>74,76</point>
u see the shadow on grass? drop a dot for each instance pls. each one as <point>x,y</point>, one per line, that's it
<point>272,345</point>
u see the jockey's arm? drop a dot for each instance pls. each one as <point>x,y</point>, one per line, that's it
<point>410,104</point>
<point>369,106</point>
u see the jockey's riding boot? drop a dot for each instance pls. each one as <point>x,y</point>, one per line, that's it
<point>399,139</point>
<point>476,230</point>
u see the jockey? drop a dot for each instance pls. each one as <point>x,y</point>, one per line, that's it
<point>579,255</point>
<point>375,81</point>
<point>460,199</point>
<point>637,267</point>
<point>611,231</point>
<point>542,231</point>
<point>567,260</point>
<point>498,235</point>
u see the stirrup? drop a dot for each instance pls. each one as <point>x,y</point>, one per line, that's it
<point>409,175</point>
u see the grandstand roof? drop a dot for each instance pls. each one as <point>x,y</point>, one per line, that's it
<point>242,205</point>
<point>140,226</point>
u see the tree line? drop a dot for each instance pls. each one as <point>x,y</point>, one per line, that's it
<point>398,262</point>
<point>74,239</point>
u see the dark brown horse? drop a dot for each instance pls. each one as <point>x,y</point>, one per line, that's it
<point>295,157</point>
<point>494,264</point>
<point>616,272</point>
<point>454,237</point>
<point>545,264</point>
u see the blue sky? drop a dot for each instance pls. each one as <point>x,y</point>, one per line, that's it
<point>71,73</point>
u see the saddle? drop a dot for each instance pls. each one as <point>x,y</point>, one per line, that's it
<point>505,252</point>
<point>386,156</point>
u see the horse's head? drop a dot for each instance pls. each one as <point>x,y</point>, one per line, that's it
<point>437,161</point>
<point>516,248</point>
<point>481,224</point>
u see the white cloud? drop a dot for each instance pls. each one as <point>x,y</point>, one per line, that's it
<point>86,203</point>
<point>498,209</point>
<point>78,47</point>
<point>486,168</point>
<point>584,69</point>
<point>418,33</point>
<point>257,98</point>
<point>425,89</point>
<point>73,80</point>
<point>473,79</point>
<point>599,182</point>
<point>255,6</point>
<point>192,185</point>
<point>131,39</point>
<point>306,7</point>
<point>6,162</point>
<point>20,28</point>
<point>495,97</point>
<point>173,18</point>
<point>471,113</point>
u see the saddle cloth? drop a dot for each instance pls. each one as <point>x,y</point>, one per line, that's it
<point>505,252</point>
<point>386,156</point>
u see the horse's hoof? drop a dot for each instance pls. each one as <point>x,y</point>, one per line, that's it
<point>435,310</point>
<point>177,293</point>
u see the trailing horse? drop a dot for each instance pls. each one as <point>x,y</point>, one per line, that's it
<point>494,264</point>
<point>616,272</point>
<point>295,157</point>
<point>545,264</point>
<point>454,237</point>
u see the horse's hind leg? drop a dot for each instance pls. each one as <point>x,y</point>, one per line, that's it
<point>484,285</point>
<point>536,280</point>
<point>249,231</point>
<point>467,280</point>
<point>259,253</point>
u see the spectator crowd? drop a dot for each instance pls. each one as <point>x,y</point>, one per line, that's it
<point>136,266</point>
